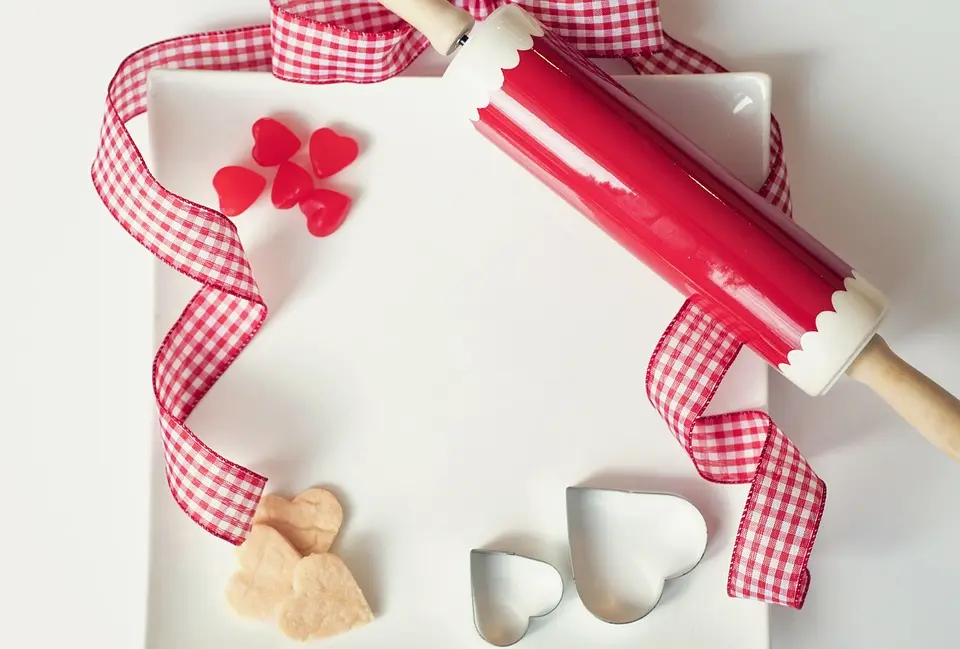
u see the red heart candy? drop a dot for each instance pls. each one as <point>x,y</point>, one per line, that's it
<point>237,189</point>
<point>331,152</point>
<point>273,142</point>
<point>292,183</point>
<point>326,210</point>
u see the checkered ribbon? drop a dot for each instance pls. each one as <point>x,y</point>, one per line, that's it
<point>358,41</point>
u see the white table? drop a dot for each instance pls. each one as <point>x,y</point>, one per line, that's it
<point>866,93</point>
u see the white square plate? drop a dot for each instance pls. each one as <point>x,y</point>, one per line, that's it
<point>448,363</point>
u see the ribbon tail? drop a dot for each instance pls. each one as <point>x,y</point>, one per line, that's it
<point>782,514</point>
<point>202,244</point>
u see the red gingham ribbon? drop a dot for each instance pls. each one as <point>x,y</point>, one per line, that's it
<point>318,41</point>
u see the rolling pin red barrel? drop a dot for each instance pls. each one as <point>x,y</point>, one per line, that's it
<point>785,295</point>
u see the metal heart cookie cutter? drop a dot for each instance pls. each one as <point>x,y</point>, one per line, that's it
<point>509,591</point>
<point>626,545</point>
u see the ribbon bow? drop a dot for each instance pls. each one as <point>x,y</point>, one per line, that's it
<point>360,42</point>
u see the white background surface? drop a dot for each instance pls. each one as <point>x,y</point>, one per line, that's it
<point>866,93</point>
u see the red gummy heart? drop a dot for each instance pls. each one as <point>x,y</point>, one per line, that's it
<point>237,188</point>
<point>331,152</point>
<point>292,183</point>
<point>273,142</point>
<point>326,210</point>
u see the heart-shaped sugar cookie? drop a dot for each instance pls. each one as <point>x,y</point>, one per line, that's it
<point>265,577</point>
<point>311,521</point>
<point>327,600</point>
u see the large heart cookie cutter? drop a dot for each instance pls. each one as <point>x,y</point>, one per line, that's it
<point>509,591</point>
<point>626,545</point>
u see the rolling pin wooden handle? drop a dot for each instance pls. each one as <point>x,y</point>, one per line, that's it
<point>926,406</point>
<point>441,22</point>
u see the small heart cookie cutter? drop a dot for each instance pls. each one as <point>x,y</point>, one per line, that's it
<point>674,515</point>
<point>496,621</point>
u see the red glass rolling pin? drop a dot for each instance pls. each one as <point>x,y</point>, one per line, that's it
<point>785,295</point>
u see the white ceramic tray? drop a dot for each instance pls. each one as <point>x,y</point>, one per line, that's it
<point>464,349</point>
